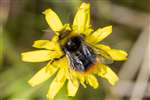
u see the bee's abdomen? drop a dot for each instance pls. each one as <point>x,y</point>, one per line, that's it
<point>87,56</point>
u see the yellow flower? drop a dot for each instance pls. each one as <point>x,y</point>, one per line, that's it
<point>61,61</point>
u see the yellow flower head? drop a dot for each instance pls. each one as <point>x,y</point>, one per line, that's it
<point>74,53</point>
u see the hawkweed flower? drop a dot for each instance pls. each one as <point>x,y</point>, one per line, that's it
<point>74,53</point>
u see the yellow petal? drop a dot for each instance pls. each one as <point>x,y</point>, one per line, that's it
<point>53,20</point>
<point>67,27</point>
<point>62,63</point>
<point>82,18</point>
<point>72,87</point>
<point>79,76</point>
<point>46,44</point>
<point>105,72</point>
<point>55,38</point>
<point>87,32</point>
<point>40,55</point>
<point>91,79</point>
<point>103,47</point>
<point>113,54</point>
<point>82,80</point>
<point>42,75</point>
<point>56,84</point>
<point>117,54</point>
<point>102,50</point>
<point>99,35</point>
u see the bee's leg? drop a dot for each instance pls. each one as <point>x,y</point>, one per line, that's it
<point>56,59</point>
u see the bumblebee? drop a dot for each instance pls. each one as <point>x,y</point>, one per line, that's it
<point>80,55</point>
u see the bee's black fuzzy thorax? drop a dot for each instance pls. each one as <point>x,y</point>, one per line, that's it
<point>73,44</point>
<point>80,55</point>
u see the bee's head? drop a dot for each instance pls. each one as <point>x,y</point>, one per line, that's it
<point>69,40</point>
<point>73,43</point>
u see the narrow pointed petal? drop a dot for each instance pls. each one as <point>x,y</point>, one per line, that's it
<point>72,87</point>
<point>82,18</point>
<point>105,72</point>
<point>91,79</point>
<point>56,84</point>
<point>53,20</point>
<point>46,44</point>
<point>99,34</point>
<point>42,75</point>
<point>40,55</point>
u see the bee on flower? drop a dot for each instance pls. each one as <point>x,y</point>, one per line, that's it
<point>74,53</point>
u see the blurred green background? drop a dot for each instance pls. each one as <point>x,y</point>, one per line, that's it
<point>22,22</point>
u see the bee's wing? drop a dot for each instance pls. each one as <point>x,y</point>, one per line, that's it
<point>102,56</point>
<point>104,60</point>
<point>75,62</point>
<point>88,53</point>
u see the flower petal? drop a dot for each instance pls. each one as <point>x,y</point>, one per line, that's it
<point>42,75</point>
<point>62,63</point>
<point>46,44</point>
<point>40,55</point>
<point>53,20</point>
<point>82,18</point>
<point>105,72</point>
<point>72,87</point>
<point>99,35</point>
<point>80,76</point>
<point>118,55</point>
<point>82,80</point>
<point>87,32</point>
<point>113,54</point>
<point>103,47</point>
<point>91,79</point>
<point>57,84</point>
